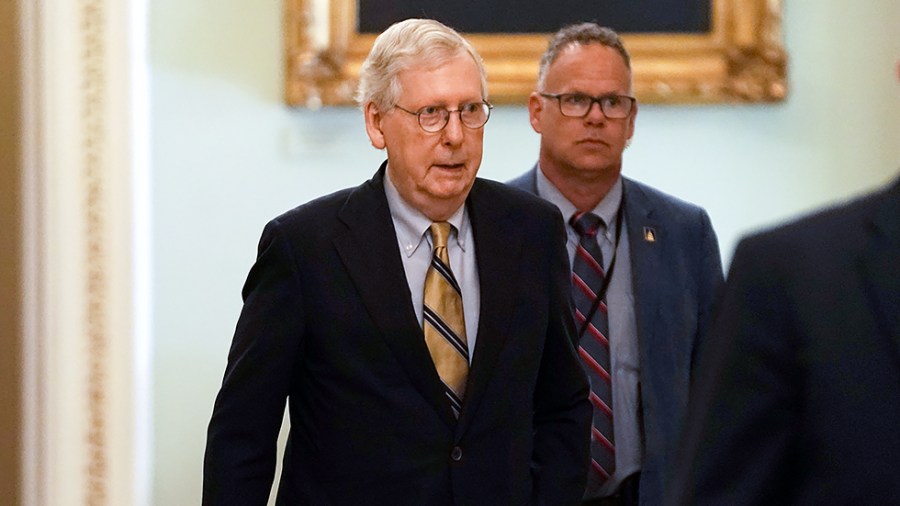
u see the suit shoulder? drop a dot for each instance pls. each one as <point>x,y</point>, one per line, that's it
<point>516,199</point>
<point>831,232</point>
<point>314,211</point>
<point>660,199</point>
<point>835,219</point>
<point>523,182</point>
<point>669,210</point>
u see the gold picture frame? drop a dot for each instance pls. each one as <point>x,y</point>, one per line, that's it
<point>740,59</point>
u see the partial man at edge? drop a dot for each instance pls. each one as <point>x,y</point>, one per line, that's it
<point>800,398</point>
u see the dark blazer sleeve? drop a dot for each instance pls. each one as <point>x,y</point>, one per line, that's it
<point>562,411</point>
<point>744,408</point>
<point>239,465</point>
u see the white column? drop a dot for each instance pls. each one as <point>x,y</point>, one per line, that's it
<point>86,356</point>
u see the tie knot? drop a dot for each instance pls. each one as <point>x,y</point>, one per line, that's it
<point>586,224</point>
<point>440,231</point>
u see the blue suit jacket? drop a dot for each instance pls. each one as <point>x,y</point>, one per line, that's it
<point>676,279</point>
<point>328,324</point>
<point>800,398</point>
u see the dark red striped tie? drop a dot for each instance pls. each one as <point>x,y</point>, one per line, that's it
<point>587,278</point>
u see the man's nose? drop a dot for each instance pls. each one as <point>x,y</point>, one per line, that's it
<point>453,131</point>
<point>595,113</point>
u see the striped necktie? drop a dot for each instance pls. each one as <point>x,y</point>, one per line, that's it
<point>587,278</point>
<point>444,324</point>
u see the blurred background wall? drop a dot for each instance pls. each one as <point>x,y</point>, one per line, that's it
<point>228,156</point>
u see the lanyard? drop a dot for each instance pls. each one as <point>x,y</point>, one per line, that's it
<point>609,272</point>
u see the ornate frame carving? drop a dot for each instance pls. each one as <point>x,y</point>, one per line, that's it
<point>741,59</point>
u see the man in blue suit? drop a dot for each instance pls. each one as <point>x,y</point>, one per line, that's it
<point>658,256</point>
<point>419,335</point>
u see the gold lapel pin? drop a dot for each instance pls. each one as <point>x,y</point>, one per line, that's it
<point>649,234</point>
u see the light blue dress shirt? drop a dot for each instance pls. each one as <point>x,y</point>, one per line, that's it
<point>623,338</point>
<point>414,237</point>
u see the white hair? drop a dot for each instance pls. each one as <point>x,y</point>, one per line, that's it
<point>406,44</point>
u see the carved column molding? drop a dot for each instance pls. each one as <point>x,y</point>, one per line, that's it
<point>85,154</point>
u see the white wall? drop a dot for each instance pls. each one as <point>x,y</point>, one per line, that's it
<point>228,156</point>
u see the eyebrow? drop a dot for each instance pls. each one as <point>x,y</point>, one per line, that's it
<point>602,95</point>
<point>461,102</point>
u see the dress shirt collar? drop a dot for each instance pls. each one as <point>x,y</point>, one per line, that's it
<point>606,209</point>
<point>411,225</point>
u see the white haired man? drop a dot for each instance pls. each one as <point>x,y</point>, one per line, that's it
<point>420,335</point>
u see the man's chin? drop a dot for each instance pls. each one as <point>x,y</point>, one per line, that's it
<point>598,164</point>
<point>449,190</point>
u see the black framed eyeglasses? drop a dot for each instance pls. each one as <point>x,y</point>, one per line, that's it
<point>578,105</point>
<point>433,118</point>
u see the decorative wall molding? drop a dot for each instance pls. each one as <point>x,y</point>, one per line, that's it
<point>741,58</point>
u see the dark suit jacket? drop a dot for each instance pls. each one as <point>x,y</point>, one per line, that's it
<point>329,325</point>
<point>675,282</point>
<point>799,402</point>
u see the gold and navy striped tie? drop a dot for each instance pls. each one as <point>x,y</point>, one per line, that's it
<point>444,325</point>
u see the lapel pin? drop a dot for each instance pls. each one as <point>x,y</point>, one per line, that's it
<point>649,234</point>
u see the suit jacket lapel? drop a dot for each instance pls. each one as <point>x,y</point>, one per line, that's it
<point>645,262</point>
<point>879,266</point>
<point>371,255</point>
<point>495,242</point>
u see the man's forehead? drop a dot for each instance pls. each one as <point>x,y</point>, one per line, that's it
<point>434,61</point>
<point>589,64</point>
<point>576,49</point>
<point>450,76</point>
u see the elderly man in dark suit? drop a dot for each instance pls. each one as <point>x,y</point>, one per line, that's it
<point>418,326</point>
<point>799,400</point>
<point>646,266</point>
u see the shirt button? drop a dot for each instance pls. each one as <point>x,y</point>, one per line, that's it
<point>456,454</point>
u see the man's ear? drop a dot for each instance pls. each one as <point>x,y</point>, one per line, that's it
<point>373,125</point>
<point>535,107</point>
<point>631,120</point>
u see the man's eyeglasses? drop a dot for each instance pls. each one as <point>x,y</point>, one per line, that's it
<point>433,118</point>
<point>578,105</point>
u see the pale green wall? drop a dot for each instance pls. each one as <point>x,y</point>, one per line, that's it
<point>227,156</point>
